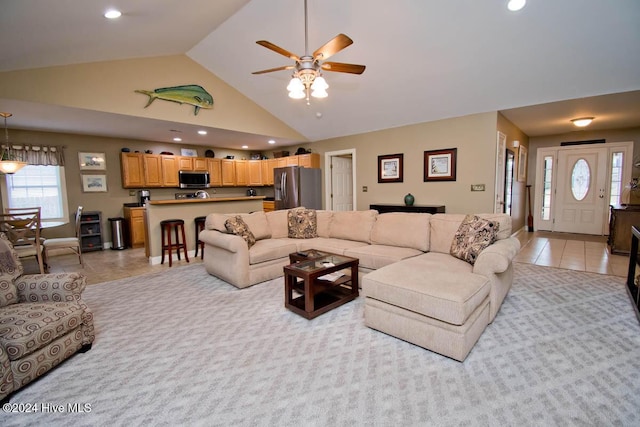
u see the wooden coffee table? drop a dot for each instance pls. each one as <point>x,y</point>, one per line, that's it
<point>318,295</point>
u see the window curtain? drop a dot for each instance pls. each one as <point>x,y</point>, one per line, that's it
<point>40,155</point>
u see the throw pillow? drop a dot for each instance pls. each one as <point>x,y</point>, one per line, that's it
<point>236,225</point>
<point>8,290</point>
<point>302,223</point>
<point>473,235</point>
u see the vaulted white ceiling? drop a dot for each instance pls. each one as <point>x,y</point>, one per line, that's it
<point>426,60</point>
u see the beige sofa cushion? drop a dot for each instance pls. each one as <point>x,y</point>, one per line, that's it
<point>450,292</point>
<point>377,256</point>
<point>353,225</point>
<point>406,230</point>
<point>215,221</point>
<point>258,224</point>
<point>270,249</point>
<point>278,223</point>
<point>324,221</point>
<point>444,226</point>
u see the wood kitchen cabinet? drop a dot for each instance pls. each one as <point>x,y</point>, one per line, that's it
<point>200,164</point>
<point>242,173</point>
<point>132,170</point>
<point>311,160</point>
<point>170,168</point>
<point>255,172</point>
<point>185,163</point>
<point>134,218</point>
<point>228,169</point>
<point>214,166</point>
<point>152,170</point>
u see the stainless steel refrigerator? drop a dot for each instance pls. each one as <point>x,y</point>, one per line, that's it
<point>297,186</point>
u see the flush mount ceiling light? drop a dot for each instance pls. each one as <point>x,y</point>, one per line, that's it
<point>8,162</point>
<point>112,14</point>
<point>516,5</point>
<point>307,78</point>
<point>582,121</point>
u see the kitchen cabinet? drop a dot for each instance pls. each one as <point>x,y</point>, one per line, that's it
<point>214,166</point>
<point>200,164</point>
<point>170,168</point>
<point>185,163</point>
<point>134,217</point>
<point>152,170</point>
<point>91,231</point>
<point>267,170</point>
<point>311,160</point>
<point>132,170</point>
<point>242,173</point>
<point>268,205</point>
<point>228,171</point>
<point>255,172</point>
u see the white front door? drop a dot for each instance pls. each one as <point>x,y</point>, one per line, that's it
<point>501,146</point>
<point>581,195</point>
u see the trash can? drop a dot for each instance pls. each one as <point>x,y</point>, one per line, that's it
<point>117,233</point>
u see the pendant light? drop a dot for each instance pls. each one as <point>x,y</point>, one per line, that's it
<point>8,164</point>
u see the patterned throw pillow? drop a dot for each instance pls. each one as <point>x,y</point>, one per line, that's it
<point>303,223</point>
<point>237,226</point>
<point>473,235</point>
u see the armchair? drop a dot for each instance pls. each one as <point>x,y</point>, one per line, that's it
<point>43,321</point>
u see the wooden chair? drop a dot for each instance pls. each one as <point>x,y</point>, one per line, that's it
<point>72,243</point>
<point>23,230</point>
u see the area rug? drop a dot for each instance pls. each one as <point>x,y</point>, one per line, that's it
<point>181,347</point>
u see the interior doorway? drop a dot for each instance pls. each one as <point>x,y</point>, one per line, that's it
<point>340,181</point>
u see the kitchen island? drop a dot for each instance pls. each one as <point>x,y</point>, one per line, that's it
<point>187,210</point>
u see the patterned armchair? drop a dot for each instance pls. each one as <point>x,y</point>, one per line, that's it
<point>43,321</point>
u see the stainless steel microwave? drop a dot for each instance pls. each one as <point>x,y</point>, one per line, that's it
<point>193,179</point>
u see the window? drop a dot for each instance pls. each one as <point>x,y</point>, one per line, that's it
<point>580,179</point>
<point>42,186</point>
<point>616,177</point>
<point>546,187</point>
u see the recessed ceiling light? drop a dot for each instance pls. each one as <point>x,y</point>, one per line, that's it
<point>176,139</point>
<point>112,14</point>
<point>245,146</point>
<point>582,121</point>
<point>271,141</point>
<point>516,5</point>
<point>202,132</point>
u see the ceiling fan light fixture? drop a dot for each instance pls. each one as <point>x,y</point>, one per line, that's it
<point>516,5</point>
<point>295,85</point>
<point>319,93</point>
<point>582,121</point>
<point>319,83</point>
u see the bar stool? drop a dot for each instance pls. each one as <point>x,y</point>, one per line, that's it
<point>199,221</point>
<point>166,227</point>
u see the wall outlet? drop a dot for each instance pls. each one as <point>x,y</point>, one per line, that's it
<point>477,187</point>
<point>132,192</point>
<point>365,188</point>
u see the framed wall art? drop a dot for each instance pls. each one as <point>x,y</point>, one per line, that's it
<point>188,152</point>
<point>440,165</point>
<point>390,168</point>
<point>92,161</point>
<point>94,183</point>
<point>522,163</point>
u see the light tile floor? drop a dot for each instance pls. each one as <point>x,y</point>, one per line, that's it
<point>570,251</point>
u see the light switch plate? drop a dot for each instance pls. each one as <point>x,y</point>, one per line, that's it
<point>365,188</point>
<point>477,187</point>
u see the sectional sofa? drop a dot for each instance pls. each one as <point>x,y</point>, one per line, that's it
<point>414,288</point>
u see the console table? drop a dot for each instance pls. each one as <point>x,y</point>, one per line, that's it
<point>632,285</point>
<point>622,218</point>
<point>384,208</point>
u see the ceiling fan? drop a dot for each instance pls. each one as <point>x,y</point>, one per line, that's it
<point>307,78</point>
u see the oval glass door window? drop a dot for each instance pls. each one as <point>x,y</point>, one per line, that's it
<point>580,179</point>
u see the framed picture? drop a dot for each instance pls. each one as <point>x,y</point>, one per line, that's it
<point>440,165</point>
<point>188,152</point>
<point>94,183</point>
<point>92,161</point>
<point>390,168</point>
<point>522,163</point>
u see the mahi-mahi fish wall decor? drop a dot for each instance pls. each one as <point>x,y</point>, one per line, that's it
<point>187,94</point>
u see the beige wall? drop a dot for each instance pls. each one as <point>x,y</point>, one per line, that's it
<point>110,87</point>
<point>111,202</point>
<point>475,138</point>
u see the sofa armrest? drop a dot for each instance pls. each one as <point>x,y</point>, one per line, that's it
<point>496,258</point>
<point>50,287</point>
<point>229,242</point>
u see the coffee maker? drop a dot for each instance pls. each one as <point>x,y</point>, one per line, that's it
<point>145,196</point>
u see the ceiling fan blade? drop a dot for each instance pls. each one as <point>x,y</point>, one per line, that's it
<point>270,70</point>
<point>332,47</point>
<point>340,67</point>
<point>278,49</point>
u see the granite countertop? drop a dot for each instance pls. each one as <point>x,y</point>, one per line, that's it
<point>208,200</point>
